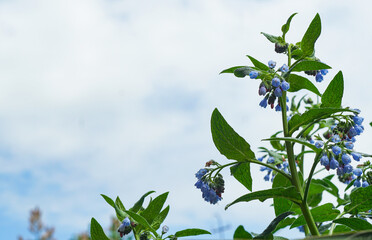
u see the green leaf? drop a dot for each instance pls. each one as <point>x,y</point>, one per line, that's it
<point>315,193</point>
<point>159,219</point>
<point>242,72</point>
<point>119,204</point>
<point>281,205</point>
<point>138,205</point>
<point>276,144</point>
<point>285,27</point>
<point>142,221</point>
<point>241,234</point>
<point>309,65</point>
<point>297,140</point>
<point>332,188</point>
<point>285,223</point>
<point>258,64</point>
<point>297,83</point>
<point>231,70</point>
<point>273,39</point>
<point>361,200</point>
<point>154,208</point>
<point>283,192</point>
<point>109,200</point>
<point>227,141</point>
<point>354,223</point>
<point>120,214</point>
<point>96,231</point>
<point>191,232</point>
<point>332,97</point>
<point>350,184</point>
<point>273,225</point>
<point>242,172</point>
<point>311,35</point>
<point>312,115</point>
<point>321,213</point>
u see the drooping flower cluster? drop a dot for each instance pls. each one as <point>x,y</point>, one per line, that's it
<point>318,74</point>
<point>211,190</point>
<point>272,86</point>
<point>338,150</point>
<point>125,227</point>
<point>279,164</point>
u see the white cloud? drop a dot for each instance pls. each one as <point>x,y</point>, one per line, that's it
<point>115,97</point>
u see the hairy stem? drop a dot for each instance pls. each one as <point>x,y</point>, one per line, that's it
<point>316,160</point>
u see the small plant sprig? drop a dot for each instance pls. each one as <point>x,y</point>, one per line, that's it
<point>325,131</point>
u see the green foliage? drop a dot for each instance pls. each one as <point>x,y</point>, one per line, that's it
<point>309,65</point>
<point>332,96</point>
<point>295,140</point>
<point>241,172</point>
<point>320,214</point>
<point>273,39</point>
<point>280,192</point>
<point>138,205</point>
<point>241,234</point>
<point>191,232</point>
<point>310,37</point>
<point>285,27</point>
<point>354,223</point>
<point>258,64</point>
<point>96,231</point>
<point>269,230</point>
<point>281,205</point>
<point>298,83</point>
<point>361,200</point>
<point>231,70</point>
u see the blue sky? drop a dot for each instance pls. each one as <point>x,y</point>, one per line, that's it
<point>115,97</point>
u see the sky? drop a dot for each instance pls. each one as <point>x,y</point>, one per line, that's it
<point>115,97</point>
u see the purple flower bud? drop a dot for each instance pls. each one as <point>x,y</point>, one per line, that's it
<point>336,150</point>
<point>272,64</point>
<point>275,82</point>
<point>262,91</point>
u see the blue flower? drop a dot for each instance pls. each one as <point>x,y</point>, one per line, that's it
<point>275,82</point>
<point>263,103</point>
<point>253,74</point>
<point>336,138</point>
<point>261,158</point>
<point>278,92</point>
<point>164,229</point>
<point>336,150</point>
<point>262,91</point>
<point>324,72</point>
<point>352,132</point>
<point>271,160</point>
<point>358,120</point>
<point>272,64</point>
<point>278,108</point>
<point>345,159</point>
<point>333,164</point>
<point>358,129</point>
<point>125,227</point>
<point>324,160</point>
<point>348,168</point>
<point>357,183</point>
<point>208,193</point>
<point>319,77</point>
<point>284,68</point>
<point>340,171</point>
<point>357,172</point>
<point>267,177</point>
<point>284,85</point>
<point>365,184</point>
<point>201,173</point>
<point>356,156</point>
<point>319,144</point>
<point>349,145</point>
<point>311,141</point>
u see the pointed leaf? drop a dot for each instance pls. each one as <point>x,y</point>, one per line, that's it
<point>311,35</point>
<point>191,232</point>
<point>285,27</point>
<point>361,200</point>
<point>242,173</point>
<point>354,223</point>
<point>227,141</point>
<point>288,193</point>
<point>276,144</point>
<point>332,97</point>
<point>96,231</point>
<point>231,70</point>
<point>109,200</point>
<point>160,218</point>
<point>242,72</point>
<point>137,206</point>
<point>119,204</point>
<point>241,234</point>
<point>271,38</point>
<point>321,213</point>
<point>285,223</point>
<point>154,207</point>
<point>309,65</point>
<point>297,140</point>
<point>281,205</point>
<point>298,83</point>
<point>258,64</point>
<point>273,225</point>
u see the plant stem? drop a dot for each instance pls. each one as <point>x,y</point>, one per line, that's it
<point>334,224</point>
<point>316,160</point>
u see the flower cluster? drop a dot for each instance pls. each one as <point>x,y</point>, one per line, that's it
<point>338,150</point>
<point>272,87</point>
<point>211,190</point>
<point>125,227</point>
<point>278,164</point>
<point>318,74</point>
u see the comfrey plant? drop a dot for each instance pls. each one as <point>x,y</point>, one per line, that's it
<point>140,222</point>
<point>322,133</point>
